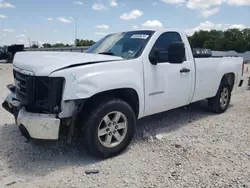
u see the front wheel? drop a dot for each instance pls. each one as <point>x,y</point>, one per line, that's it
<point>109,128</point>
<point>221,101</point>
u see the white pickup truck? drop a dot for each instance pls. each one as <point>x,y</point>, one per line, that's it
<point>125,76</point>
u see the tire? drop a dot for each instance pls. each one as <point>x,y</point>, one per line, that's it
<point>216,102</point>
<point>98,119</point>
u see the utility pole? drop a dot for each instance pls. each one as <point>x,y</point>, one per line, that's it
<point>76,31</point>
<point>2,41</point>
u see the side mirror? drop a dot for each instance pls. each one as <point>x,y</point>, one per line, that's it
<point>176,52</point>
<point>154,57</point>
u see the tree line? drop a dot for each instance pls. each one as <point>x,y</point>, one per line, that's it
<point>231,39</point>
<point>78,42</point>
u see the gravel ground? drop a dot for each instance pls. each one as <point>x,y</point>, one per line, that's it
<point>186,147</point>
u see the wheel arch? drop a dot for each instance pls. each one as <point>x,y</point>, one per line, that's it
<point>129,95</point>
<point>228,79</point>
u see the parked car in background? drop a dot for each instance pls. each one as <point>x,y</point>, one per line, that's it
<point>3,55</point>
<point>125,76</point>
<point>7,53</point>
<point>12,50</point>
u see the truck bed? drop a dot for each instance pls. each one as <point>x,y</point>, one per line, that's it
<point>210,70</point>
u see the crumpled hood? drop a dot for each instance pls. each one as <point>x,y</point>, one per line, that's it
<point>44,63</point>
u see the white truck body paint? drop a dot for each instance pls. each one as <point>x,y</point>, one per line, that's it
<point>47,62</point>
<point>175,88</point>
<point>210,72</point>
<point>181,89</point>
<point>159,87</point>
<point>39,126</point>
<point>82,82</point>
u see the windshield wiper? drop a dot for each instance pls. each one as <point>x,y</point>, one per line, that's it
<point>106,53</point>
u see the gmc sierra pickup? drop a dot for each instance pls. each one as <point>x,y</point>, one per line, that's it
<point>100,94</point>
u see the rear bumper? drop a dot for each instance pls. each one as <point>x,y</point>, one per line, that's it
<point>38,126</point>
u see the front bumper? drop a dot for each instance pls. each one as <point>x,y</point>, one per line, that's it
<point>38,126</point>
<point>11,104</point>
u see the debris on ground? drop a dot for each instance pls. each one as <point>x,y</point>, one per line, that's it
<point>91,171</point>
<point>147,136</point>
<point>11,183</point>
<point>177,145</point>
<point>159,137</point>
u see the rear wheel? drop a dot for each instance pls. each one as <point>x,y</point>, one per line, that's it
<point>109,128</point>
<point>221,101</point>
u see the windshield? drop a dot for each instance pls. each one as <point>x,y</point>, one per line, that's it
<point>127,45</point>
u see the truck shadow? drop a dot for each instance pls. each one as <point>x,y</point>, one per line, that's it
<point>38,158</point>
<point>173,120</point>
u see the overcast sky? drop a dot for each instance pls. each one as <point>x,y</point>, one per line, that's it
<point>54,20</point>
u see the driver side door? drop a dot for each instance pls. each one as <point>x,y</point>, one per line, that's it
<point>166,85</point>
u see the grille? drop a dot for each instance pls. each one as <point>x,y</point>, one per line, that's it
<point>39,94</point>
<point>24,84</point>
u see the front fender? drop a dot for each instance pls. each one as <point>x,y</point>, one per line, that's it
<point>85,81</point>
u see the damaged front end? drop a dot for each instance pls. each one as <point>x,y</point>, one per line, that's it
<point>36,103</point>
<point>11,104</point>
<point>39,94</point>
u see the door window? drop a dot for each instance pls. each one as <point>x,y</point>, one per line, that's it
<point>163,42</point>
